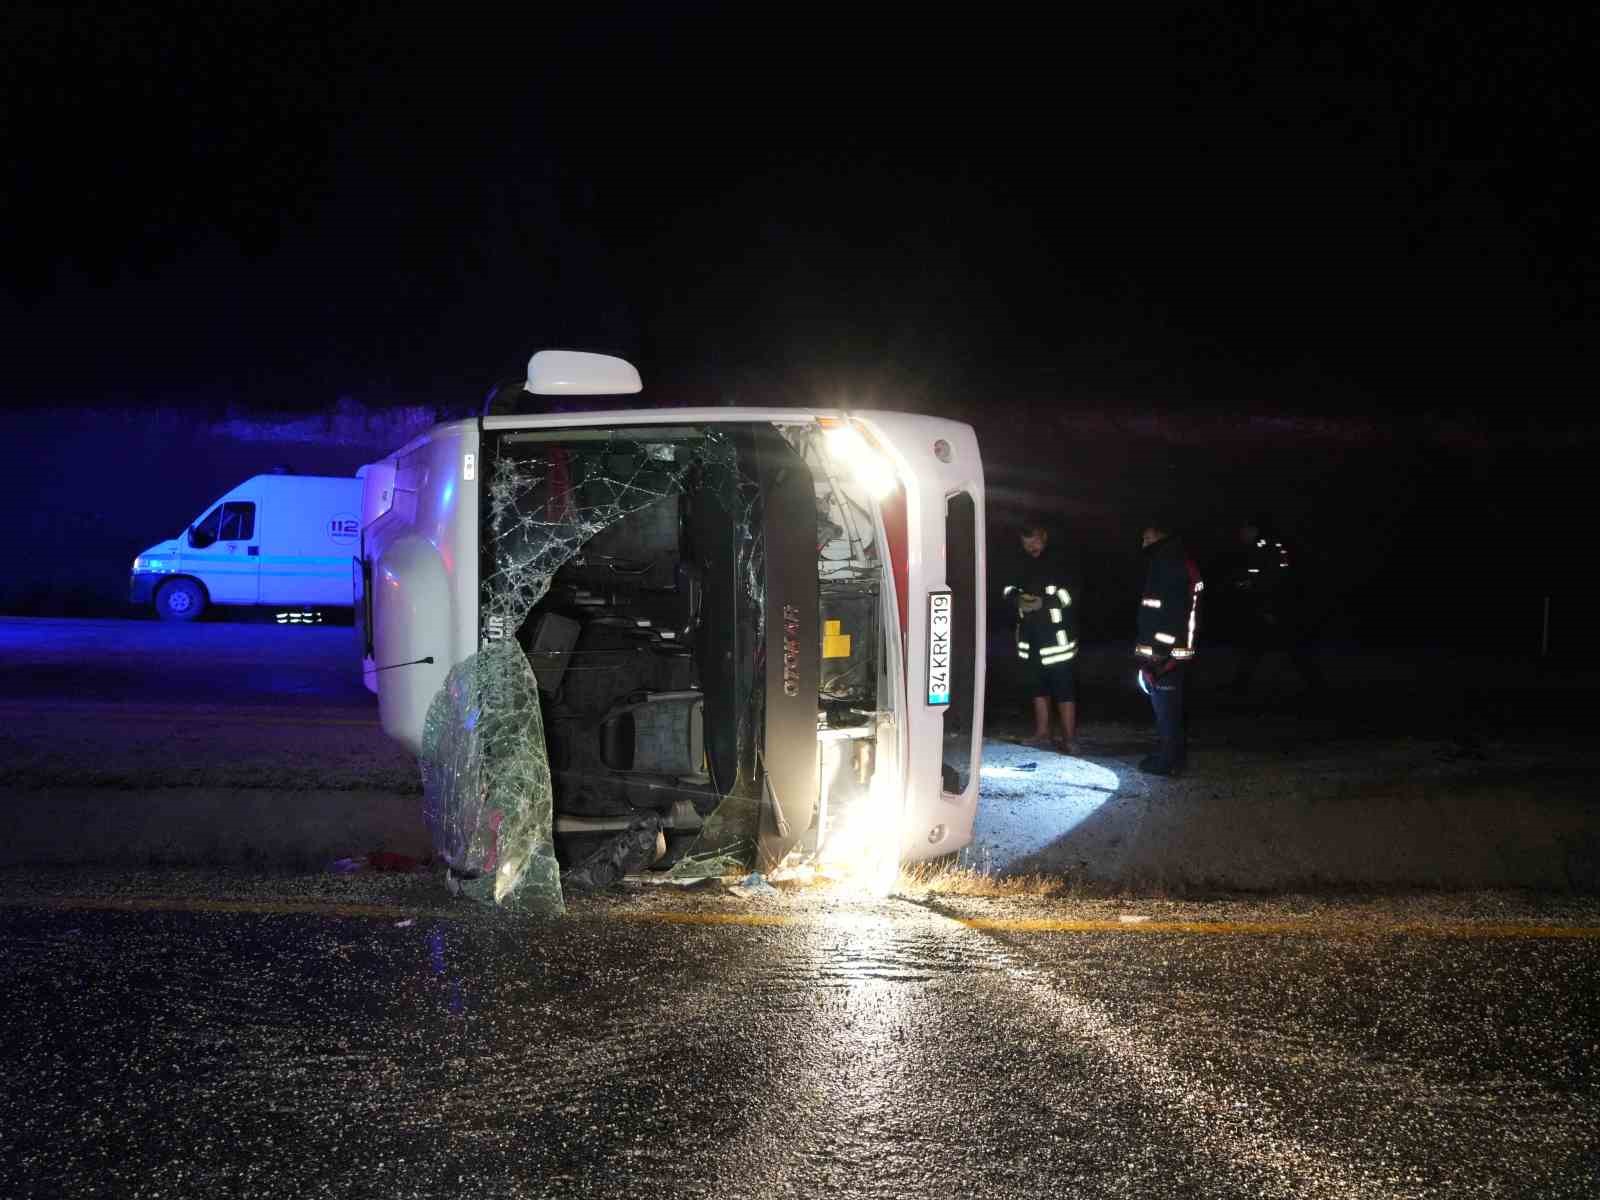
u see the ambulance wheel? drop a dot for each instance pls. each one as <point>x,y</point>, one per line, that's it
<point>180,600</point>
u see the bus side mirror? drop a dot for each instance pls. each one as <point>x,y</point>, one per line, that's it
<point>199,540</point>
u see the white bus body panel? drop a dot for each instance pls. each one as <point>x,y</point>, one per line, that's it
<point>377,495</point>
<point>423,556</point>
<point>934,822</point>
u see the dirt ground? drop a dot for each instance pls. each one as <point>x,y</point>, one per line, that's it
<point>1410,771</point>
<point>1413,771</point>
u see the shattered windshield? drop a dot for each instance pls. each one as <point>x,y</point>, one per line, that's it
<point>670,619</point>
<point>610,674</point>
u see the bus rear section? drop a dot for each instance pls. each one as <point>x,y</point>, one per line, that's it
<point>739,638</point>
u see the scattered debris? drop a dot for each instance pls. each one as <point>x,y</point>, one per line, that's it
<point>702,881</point>
<point>752,886</point>
<point>383,860</point>
<point>977,857</point>
<point>631,850</point>
<point>713,864</point>
<point>794,869</point>
<point>378,860</point>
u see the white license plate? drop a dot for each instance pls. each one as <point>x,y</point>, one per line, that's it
<point>940,611</point>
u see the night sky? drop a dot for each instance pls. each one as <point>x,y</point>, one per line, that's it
<point>1333,262</point>
<point>1323,208</point>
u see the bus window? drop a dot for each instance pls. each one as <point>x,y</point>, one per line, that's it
<point>961,576</point>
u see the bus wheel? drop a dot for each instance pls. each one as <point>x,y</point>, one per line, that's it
<point>180,600</point>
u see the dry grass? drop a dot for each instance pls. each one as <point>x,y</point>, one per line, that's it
<point>957,879</point>
<point>939,879</point>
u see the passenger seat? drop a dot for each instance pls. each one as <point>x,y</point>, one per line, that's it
<point>657,733</point>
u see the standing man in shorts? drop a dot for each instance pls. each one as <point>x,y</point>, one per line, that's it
<point>1047,635</point>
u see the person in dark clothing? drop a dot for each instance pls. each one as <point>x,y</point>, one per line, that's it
<point>1047,635</point>
<point>1269,584</point>
<point>1168,614</point>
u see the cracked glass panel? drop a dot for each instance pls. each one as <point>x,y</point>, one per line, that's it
<point>610,721</point>
<point>486,792</point>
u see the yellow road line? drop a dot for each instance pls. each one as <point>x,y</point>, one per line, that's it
<point>1443,929</point>
<point>715,918</point>
<point>1340,929</point>
<point>1457,929</point>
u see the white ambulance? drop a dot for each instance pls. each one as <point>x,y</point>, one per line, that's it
<point>780,604</point>
<point>281,541</point>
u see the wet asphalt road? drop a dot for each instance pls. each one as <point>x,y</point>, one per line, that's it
<point>306,1041</point>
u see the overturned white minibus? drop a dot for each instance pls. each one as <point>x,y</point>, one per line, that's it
<point>624,640</point>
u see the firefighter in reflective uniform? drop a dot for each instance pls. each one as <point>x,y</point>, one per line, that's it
<point>1168,612</point>
<point>1047,638</point>
<point>1274,608</point>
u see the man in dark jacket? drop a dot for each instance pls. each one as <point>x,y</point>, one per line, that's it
<point>1047,634</point>
<point>1274,608</point>
<point>1168,612</point>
